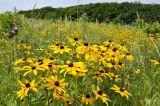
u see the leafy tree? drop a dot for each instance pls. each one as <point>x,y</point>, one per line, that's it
<point>124,13</point>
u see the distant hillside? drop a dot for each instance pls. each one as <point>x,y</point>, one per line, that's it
<point>103,12</point>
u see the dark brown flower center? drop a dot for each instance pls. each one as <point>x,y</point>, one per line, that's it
<point>88,96</point>
<point>110,41</point>
<point>40,63</point>
<point>76,39</point>
<point>97,74</point>
<point>113,63</point>
<point>85,44</point>
<point>61,94</point>
<point>50,65</point>
<point>114,49</point>
<point>113,56</point>
<point>24,59</point>
<point>100,92</point>
<point>57,83</point>
<point>77,71</point>
<point>57,44</point>
<point>51,58</point>
<point>108,46</point>
<point>67,102</point>
<point>128,54</point>
<point>70,65</point>
<point>122,44</point>
<point>120,63</point>
<point>61,47</point>
<point>114,77</point>
<point>33,68</point>
<point>102,71</point>
<point>28,85</point>
<point>121,89</point>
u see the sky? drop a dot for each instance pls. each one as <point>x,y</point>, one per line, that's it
<point>8,5</point>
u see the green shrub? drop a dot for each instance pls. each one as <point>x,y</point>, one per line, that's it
<point>153,28</point>
<point>8,20</point>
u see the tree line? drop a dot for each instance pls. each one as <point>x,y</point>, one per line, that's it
<point>125,13</point>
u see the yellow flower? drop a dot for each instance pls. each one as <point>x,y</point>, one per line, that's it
<point>121,91</point>
<point>53,67</point>
<point>55,84</point>
<point>155,61</point>
<point>39,49</point>
<point>61,95</point>
<point>99,94</point>
<point>32,68</point>
<point>73,41</point>
<point>74,54</point>
<point>72,67</point>
<point>29,52</point>
<point>25,88</point>
<point>23,60</point>
<point>137,71</point>
<point>112,76</point>
<point>61,49</point>
<point>129,57</point>
<point>87,99</point>
<point>17,69</point>
<point>55,46</point>
<point>97,75</point>
<point>84,49</point>
<point>78,72</point>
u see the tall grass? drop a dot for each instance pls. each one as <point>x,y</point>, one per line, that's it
<point>145,86</point>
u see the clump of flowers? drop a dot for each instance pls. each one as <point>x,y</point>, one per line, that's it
<point>75,72</point>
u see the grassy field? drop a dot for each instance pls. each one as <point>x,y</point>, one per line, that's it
<point>74,63</point>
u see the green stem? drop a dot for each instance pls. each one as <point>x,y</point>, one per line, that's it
<point>48,98</point>
<point>29,100</point>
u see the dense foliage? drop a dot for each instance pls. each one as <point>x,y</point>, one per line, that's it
<point>103,12</point>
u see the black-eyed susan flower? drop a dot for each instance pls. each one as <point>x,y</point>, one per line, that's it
<point>129,57</point>
<point>108,43</point>
<point>71,67</point>
<point>87,99</point>
<point>17,69</point>
<point>73,41</point>
<point>55,46</point>
<point>23,60</point>
<point>61,95</point>
<point>79,72</point>
<point>26,87</point>
<point>32,68</point>
<point>39,49</point>
<point>100,94</point>
<point>84,49</point>
<point>52,83</point>
<point>122,48</point>
<point>121,91</point>
<point>53,67</point>
<point>60,48</point>
<point>29,52</point>
<point>97,75</point>
<point>155,61</point>
<point>137,71</point>
<point>114,77</point>
<point>74,54</point>
<point>68,103</point>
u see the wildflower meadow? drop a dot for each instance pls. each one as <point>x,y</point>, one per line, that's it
<point>77,63</point>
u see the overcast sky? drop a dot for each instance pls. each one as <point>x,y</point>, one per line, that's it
<point>8,5</point>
